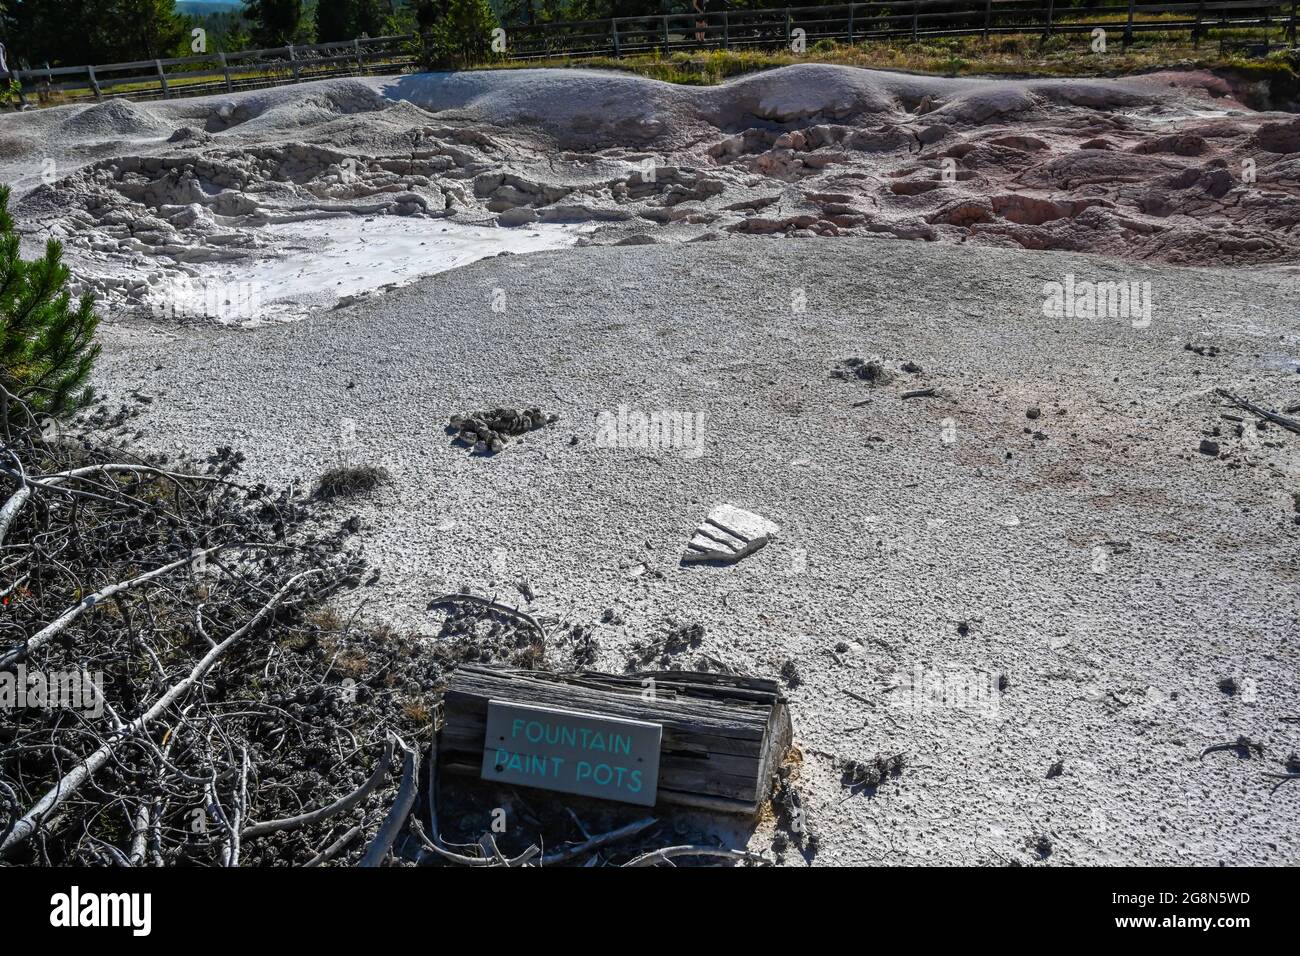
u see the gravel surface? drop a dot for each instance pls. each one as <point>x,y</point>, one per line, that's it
<point>1033,583</point>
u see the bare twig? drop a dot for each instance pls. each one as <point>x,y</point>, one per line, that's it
<point>669,853</point>
<point>325,812</point>
<point>331,851</point>
<point>597,842</point>
<point>76,778</point>
<point>1290,424</point>
<point>377,852</point>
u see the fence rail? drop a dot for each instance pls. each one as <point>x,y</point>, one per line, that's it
<point>668,33</point>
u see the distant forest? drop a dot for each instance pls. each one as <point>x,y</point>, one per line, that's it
<point>76,32</point>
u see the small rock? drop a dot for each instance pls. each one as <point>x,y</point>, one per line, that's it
<point>519,216</point>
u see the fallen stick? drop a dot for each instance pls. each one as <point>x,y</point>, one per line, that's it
<point>60,624</point>
<point>1243,745</point>
<point>19,499</point>
<point>1282,778</point>
<point>492,605</point>
<point>12,507</point>
<point>140,832</point>
<point>383,841</point>
<point>596,842</point>
<point>77,777</point>
<point>1290,424</point>
<point>418,829</point>
<point>670,852</point>
<point>325,812</point>
<point>434,845</point>
<point>333,849</point>
<point>919,393</point>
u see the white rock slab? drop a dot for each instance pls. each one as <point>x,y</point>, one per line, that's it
<point>729,534</point>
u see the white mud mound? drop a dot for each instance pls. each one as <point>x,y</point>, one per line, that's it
<point>1166,167</point>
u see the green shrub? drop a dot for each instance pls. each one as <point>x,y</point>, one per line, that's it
<point>47,344</point>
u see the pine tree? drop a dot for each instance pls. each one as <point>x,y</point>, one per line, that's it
<point>275,22</point>
<point>427,13</point>
<point>463,35</point>
<point>145,29</point>
<point>371,19</point>
<point>47,344</point>
<point>336,20</point>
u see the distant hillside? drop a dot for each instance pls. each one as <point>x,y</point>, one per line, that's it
<point>206,6</point>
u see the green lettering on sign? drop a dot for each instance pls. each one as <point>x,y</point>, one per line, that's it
<point>573,752</point>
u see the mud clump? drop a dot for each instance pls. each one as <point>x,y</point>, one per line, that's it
<point>868,775</point>
<point>679,639</point>
<point>487,432</point>
<point>872,372</point>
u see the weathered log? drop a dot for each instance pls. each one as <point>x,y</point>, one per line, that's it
<point>723,736</point>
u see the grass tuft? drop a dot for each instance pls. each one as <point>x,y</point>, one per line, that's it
<point>347,480</point>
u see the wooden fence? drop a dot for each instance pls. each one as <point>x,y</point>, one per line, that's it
<point>622,36</point>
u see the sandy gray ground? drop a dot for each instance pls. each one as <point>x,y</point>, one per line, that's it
<point>1110,571</point>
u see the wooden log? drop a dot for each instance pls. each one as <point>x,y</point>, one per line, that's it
<point>723,736</point>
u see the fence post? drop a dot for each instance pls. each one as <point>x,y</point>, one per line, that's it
<point>787,28</point>
<point>988,17</point>
<point>1128,27</point>
<point>1291,29</point>
<point>1051,4</point>
<point>225,69</point>
<point>726,31</point>
<point>916,11</point>
<point>850,23</point>
<point>356,52</point>
<point>613,26</point>
<point>293,64</point>
<point>667,42</point>
<point>94,83</point>
<point>1196,30</point>
<point>162,79</point>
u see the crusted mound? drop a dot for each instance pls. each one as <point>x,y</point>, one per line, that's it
<point>1160,167</point>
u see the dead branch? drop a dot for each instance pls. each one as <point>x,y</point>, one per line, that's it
<point>60,624</point>
<point>578,850</point>
<point>669,853</point>
<point>1282,779</point>
<point>377,852</point>
<point>496,860</point>
<point>12,507</point>
<point>77,777</point>
<point>496,606</point>
<point>325,812</point>
<point>1290,424</point>
<point>331,851</point>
